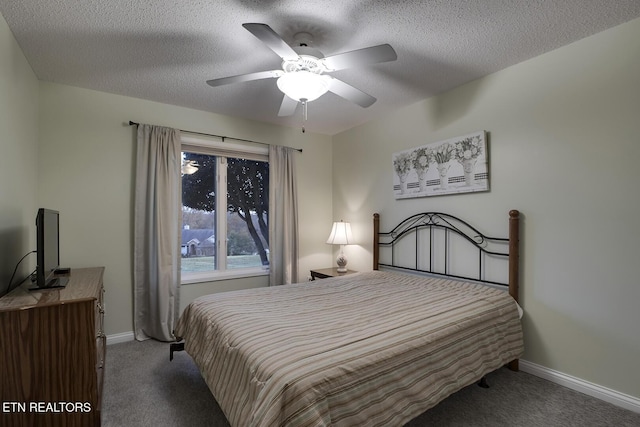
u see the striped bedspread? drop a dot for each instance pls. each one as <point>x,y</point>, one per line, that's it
<point>367,349</point>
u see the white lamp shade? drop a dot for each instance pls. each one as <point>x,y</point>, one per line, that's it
<point>301,85</point>
<point>340,234</point>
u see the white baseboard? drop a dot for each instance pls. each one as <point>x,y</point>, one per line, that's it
<point>118,338</point>
<point>599,392</point>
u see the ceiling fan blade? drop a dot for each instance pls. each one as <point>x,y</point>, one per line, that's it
<point>272,40</point>
<point>288,106</point>
<point>350,93</point>
<point>246,77</point>
<point>356,58</point>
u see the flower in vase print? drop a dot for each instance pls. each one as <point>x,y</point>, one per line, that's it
<point>468,148</point>
<point>442,156</point>
<point>443,153</point>
<point>467,152</point>
<point>402,165</point>
<point>420,159</point>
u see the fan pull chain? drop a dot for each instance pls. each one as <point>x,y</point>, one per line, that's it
<point>304,112</point>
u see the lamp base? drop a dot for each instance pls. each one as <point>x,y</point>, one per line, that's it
<point>342,263</point>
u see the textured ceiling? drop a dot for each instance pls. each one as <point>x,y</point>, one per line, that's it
<point>165,50</point>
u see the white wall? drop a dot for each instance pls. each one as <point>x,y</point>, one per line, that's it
<point>18,157</point>
<point>87,154</point>
<point>564,148</point>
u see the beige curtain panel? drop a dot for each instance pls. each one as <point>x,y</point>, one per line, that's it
<point>283,216</point>
<point>158,199</point>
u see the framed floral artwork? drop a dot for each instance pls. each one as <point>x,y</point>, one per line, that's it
<point>456,165</point>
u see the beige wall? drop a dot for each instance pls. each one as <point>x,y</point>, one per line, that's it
<point>87,162</point>
<point>18,157</point>
<point>564,148</point>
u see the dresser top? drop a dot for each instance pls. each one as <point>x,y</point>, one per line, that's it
<point>84,284</point>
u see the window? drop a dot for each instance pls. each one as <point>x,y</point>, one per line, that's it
<point>225,210</point>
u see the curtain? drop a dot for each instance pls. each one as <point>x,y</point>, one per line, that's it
<point>283,216</point>
<point>157,232</point>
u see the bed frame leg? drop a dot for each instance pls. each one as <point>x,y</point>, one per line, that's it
<point>175,346</point>
<point>483,382</point>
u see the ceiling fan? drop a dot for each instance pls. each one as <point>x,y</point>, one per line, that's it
<point>302,78</point>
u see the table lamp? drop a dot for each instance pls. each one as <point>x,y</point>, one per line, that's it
<point>341,235</point>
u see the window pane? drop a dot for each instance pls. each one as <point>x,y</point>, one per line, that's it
<point>247,218</point>
<point>198,212</point>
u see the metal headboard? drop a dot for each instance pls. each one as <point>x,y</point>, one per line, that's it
<point>451,224</point>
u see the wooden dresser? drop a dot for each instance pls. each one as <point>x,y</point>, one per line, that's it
<point>52,353</point>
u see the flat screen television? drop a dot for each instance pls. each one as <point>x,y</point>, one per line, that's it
<point>48,249</point>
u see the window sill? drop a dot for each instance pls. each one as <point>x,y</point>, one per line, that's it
<point>214,276</point>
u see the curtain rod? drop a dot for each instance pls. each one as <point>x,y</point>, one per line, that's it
<point>220,136</point>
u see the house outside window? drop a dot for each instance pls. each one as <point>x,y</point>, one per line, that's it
<point>225,210</point>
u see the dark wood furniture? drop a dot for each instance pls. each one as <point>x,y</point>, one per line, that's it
<point>52,353</point>
<point>324,273</point>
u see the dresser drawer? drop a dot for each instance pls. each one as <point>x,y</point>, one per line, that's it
<point>53,350</point>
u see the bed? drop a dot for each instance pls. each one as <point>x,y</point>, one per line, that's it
<point>375,348</point>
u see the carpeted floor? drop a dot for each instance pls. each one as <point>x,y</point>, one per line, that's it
<point>142,388</point>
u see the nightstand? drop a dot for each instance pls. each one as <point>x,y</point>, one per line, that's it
<point>324,273</point>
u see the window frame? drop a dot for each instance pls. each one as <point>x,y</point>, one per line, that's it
<point>222,149</point>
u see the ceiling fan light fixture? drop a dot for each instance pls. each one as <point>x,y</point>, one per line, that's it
<point>189,167</point>
<point>302,84</point>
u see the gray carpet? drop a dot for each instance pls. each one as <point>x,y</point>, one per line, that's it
<point>142,388</point>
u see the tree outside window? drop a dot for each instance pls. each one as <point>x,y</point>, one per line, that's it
<point>240,214</point>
